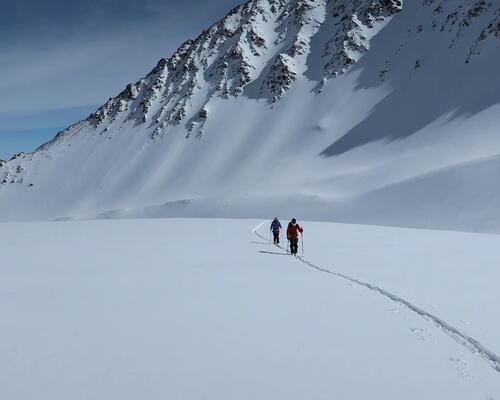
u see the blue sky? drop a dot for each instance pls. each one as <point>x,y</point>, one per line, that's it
<point>61,59</point>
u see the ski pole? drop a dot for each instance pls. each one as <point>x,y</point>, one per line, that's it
<point>302,238</point>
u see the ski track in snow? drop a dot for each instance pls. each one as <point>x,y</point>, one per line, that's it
<point>472,344</point>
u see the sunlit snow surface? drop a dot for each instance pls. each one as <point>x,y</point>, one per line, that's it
<point>205,309</point>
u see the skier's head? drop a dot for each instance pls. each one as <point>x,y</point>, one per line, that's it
<point>294,221</point>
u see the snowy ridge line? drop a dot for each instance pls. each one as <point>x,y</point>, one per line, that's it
<point>472,344</point>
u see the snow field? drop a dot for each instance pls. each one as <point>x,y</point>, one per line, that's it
<point>191,309</point>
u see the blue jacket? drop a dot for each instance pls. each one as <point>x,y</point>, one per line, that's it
<point>275,225</point>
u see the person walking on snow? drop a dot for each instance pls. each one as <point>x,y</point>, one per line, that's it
<point>275,229</point>
<point>292,234</point>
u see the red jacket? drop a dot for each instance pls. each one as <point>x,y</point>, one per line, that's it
<point>292,232</point>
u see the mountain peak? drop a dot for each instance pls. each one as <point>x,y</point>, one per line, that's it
<point>261,44</point>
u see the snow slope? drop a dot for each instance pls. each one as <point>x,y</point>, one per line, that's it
<point>190,309</point>
<point>381,112</point>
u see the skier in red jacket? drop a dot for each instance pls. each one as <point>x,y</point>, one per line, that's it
<point>292,234</point>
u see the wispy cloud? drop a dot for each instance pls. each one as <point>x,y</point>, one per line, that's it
<point>59,59</point>
<point>81,54</point>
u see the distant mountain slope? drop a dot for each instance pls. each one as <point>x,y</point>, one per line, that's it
<point>324,101</point>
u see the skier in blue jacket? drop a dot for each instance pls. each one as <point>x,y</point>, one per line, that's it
<point>275,229</point>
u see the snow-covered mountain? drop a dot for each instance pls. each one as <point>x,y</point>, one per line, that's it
<point>364,111</point>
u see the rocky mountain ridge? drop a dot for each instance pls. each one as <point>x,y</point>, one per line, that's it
<point>235,52</point>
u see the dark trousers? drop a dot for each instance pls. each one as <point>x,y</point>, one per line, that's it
<point>294,245</point>
<point>276,237</point>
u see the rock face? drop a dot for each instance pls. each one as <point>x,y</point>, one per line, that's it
<point>263,52</point>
